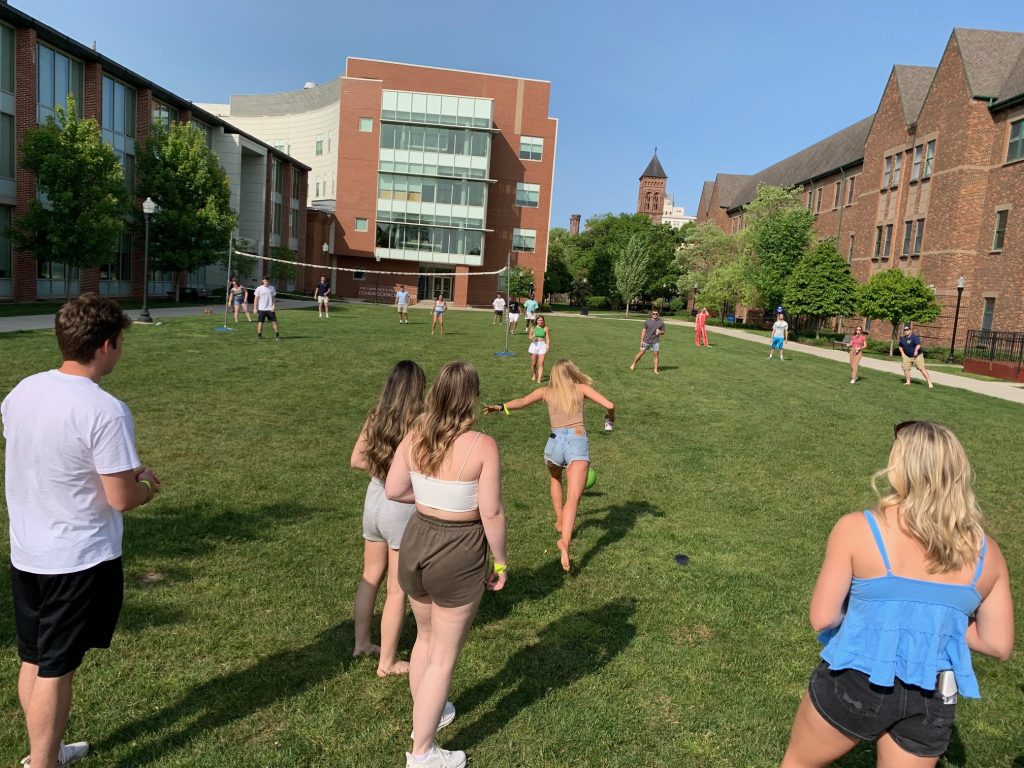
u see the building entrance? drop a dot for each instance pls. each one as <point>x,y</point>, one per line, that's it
<point>432,285</point>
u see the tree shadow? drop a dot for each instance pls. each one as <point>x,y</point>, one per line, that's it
<point>567,649</point>
<point>617,521</point>
<point>231,697</point>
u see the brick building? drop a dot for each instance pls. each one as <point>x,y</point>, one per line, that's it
<point>931,183</point>
<point>39,68</point>
<point>431,171</point>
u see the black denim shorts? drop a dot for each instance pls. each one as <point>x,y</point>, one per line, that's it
<point>916,719</point>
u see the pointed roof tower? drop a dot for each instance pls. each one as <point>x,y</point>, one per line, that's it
<point>651,198</point>
<point>654,169</point>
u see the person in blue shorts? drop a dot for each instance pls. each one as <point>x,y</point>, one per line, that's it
<point>780,335</point>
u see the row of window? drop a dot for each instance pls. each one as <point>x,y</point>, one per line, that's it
<point>410,237</point>
<point>320,186</point>
<point>524,240</point>
<point>431,190</point>
<point>437,218</point>
<point>428,168</point>
<point>924,159</point>
<point>436,108</point>
<point>448,141</point>
<point>913,234</point>
<point>816,195</point>
<point>319,145</point>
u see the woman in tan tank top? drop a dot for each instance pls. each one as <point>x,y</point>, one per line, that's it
<point>568,447</point>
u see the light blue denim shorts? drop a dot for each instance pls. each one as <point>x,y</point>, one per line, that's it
<point>567,445</point>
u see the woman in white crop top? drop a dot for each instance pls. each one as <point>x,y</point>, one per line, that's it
<point>453,475</point>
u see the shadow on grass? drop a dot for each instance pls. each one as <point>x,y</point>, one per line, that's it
<point>230,697</point>
<point>566,650</point>
<point>530,584</point>
<point>617,521</point>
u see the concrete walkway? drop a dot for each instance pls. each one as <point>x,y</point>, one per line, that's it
<point>1002,390</point>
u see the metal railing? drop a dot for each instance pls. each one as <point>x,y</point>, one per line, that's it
<point>1004,346</point>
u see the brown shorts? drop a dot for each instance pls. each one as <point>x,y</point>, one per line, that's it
<point>913,362</point>
<point>443,560</point>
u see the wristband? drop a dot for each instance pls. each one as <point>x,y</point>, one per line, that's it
<point>505,409</point>
<point>150,493</point>
<point>500,569</point>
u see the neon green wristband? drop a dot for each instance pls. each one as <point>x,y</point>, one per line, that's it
<point>505,409</point>
<point>500,569</point>
<point>149,487</point>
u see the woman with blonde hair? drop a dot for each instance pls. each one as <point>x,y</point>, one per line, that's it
<point>540,345</point>
<point>568,447</point>
<point>906,592</point>
<point>384,521</point>
<point>453,474</point>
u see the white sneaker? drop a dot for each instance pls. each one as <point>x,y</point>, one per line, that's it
<point>853,381</point>
<point>439,758</point>
<point>68,753</point>
<point>447,716</point>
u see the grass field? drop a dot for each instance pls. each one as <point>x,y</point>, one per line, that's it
<point>234,647</point>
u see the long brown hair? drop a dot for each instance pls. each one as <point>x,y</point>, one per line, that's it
<point>451,411</point>
<point>400,402</point>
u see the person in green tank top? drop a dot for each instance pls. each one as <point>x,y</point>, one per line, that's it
<point>540,345</point>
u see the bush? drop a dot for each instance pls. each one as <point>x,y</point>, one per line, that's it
<point>598,302</point>
<point>547,307</point>
<point>677,305</point>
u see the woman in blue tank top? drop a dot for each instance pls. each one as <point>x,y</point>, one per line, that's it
<point>905,594</point>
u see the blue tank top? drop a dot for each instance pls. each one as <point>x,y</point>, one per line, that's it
<point>911,629</point>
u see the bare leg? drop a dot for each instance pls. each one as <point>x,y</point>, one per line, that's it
<point>375,562</point>
<point>442,324</point>
<point>813,741</point>
<point>577,478</point>
<point>391,619</point>
<point>248,317</point>
<point>924,372</point>
<point>46,702</point>
<point>891,755</point>
<point>656,360</point>
<point>540,367</point>
<point>259,328</point>
<point>447,632</point>
<point>277,328</point>
<point>556,494</point>
<point>632,366</point>
<point>433,324</point>
<point>533,368</point>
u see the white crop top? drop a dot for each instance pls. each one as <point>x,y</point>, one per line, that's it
<point>447,495</point>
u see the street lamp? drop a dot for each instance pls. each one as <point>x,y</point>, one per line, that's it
<point>148,209</point>
<point>956,318</point>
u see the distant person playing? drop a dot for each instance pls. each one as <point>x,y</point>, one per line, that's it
<point>780,335</point>
<point>857,343</point>
<point>513,315</point>
<point>540,345</point>
<point>238,297</point>
<point>650,339</point>
<point>530,306</point>
<point>700,337</point>
<point>912,355</point>
<point>322,294</point>
<point>499,310</point>
<point>440,307</point>
<point>402,304</point>
<point>72,470</point>
<point>906,592</point>
<point>265,303</point>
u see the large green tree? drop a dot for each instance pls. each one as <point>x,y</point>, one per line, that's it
<point>728,283</point>
<point>632,270</point>
<point>821,285</point>
<point>778,229</point>
<point>82,209</point>
<point>558,279</point>
<point>184,177</point>
<point>593,253</point>
<point>897,297</point>
<point>705,249</point>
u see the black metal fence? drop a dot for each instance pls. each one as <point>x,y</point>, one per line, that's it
<point>1004,346</point>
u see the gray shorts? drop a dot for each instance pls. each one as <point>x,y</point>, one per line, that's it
<point>383,519</point>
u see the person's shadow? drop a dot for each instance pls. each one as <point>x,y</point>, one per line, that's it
<point>567,649</point>
<point>524,584</point>
<point>617,521</point>
<point>232,696</point>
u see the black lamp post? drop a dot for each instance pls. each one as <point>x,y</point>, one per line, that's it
<point>148,209</point>
<point>956,318</point>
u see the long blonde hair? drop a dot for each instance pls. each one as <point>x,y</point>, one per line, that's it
<point>563,390</point>
<point>930,478</point>
<point>400,402</point>
<point>451,411</point>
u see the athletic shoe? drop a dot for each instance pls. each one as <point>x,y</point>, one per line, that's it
<point>853,381</point>
<point>68,753</point>
<point>447,716</point>
<point>439,758</point>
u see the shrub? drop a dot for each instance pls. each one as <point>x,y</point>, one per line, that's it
<point>598,302</point>
<point>547,307</point>
<point>677,305</point>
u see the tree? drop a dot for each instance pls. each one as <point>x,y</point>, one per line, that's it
<point>778,231</point>
<point>558,279</point>
<point>897,297</point>
<point>632,270</point>
<point>194,223</point>
<point>705,248</point>
<point>821,285</point>
<point>727,283</point>
<point>518,281</point>
<point>84,202</point>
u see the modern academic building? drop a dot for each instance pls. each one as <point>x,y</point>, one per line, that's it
<point>436,172</point>
<point>931,183</point>
<point>39,68</point>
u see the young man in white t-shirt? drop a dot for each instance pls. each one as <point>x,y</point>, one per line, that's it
<point>71,471</point>
<point>402,302</point>
<point>499,310</point>
<point>264,301</point>
<point>780,335</point>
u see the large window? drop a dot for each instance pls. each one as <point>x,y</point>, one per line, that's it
<point>296,182</point>
<point>929,159</point>
<point>449,141</point>
<point>817,204</point>
<point>1015,150</point>
<point>887,173</point>
<point>897,162</point>
<point>999,236</point>
<point>275,221</point>
<point>839,194</point>
<point>531,148</point>
<point>878,243</point>
<point>908,228</point>
<point>988,314</point>
<point>6,59</point>
<point>118,124</point>
<point>915,169</point>
<point>116,276</point>
<point>5,251</point>
<point>58,76</point>
<point>293,222</point>
<point>888,241</point>
<point>410,237</point>
<point>435,108</point>
<point>524,240</point>
<point>527,195</point>
<point>6,145</point>
<point>276,176</point>
<point>319,150</point>
<point>851,187</point>
<point>918,237</point>
<point>164,114</point>
<point>431,190</point>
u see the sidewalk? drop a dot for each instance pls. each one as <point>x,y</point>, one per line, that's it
<point>1002,390</point>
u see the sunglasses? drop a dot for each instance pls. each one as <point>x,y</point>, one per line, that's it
<point>898,427</point>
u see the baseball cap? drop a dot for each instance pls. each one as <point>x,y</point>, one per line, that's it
<point>906,327</point>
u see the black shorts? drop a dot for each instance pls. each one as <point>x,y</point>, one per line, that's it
<point>266,314</point>
<point>60,616</point>
<point>916,719</point>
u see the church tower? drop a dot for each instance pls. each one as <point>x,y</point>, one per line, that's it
<point>651,200</point>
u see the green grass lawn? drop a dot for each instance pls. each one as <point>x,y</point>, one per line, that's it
<point>234,647</point>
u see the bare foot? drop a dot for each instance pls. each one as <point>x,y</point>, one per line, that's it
<point>564,549</point>
<point>365,650</point>
<point>398,668</point>
<point>632,367</point>
<point>657,371</point>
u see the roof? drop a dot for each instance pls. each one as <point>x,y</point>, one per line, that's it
<point>990,59</point>
<point>839,150</point>
<point>914,83</point>
<point>1014,85</point>
<point>654,169</point>
<point>287,102</point>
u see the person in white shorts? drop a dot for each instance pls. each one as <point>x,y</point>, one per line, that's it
<point>322,293</point>
<point>499,309</point>
<point>513,314</point>
<point>402,303</point>
<point>530,306</point>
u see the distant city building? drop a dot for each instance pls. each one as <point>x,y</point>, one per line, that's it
<point>418,169</point>
<point>673,216</point>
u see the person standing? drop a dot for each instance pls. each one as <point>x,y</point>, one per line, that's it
<point>440,307</point>
<point>499,310</point>
<point>513,315</point>
<point>540,345</point>
<point>238,297</point>
<point>402,303</point>
<point>265,303</point>
<point>912,356</point>
<point>650,339</point>
<point>780,335</point>
<point>72,470</point>
<point>530,306</point>
<point>857,343</point>
<point>322,294</point>
<point>701,335</point>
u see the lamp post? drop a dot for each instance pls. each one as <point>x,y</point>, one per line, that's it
<point>956,317</point>
<point>325,248</point>
<point>148,209</point>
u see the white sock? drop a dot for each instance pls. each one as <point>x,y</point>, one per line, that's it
<point>423,758</point>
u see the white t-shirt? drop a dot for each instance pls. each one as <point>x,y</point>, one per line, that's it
<point>62,433</point>
<point>779,329</point>
<point>498,304</point>
<point>402,298</point>
<point>264,297</point>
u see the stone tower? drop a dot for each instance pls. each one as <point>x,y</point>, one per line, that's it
<point>651,200</point>
<point>574,224</point>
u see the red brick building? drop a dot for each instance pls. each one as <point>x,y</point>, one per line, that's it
<point>932,183</point>
<point>650,199</point>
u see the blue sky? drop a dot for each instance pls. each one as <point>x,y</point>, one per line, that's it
<point>731,88</point>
